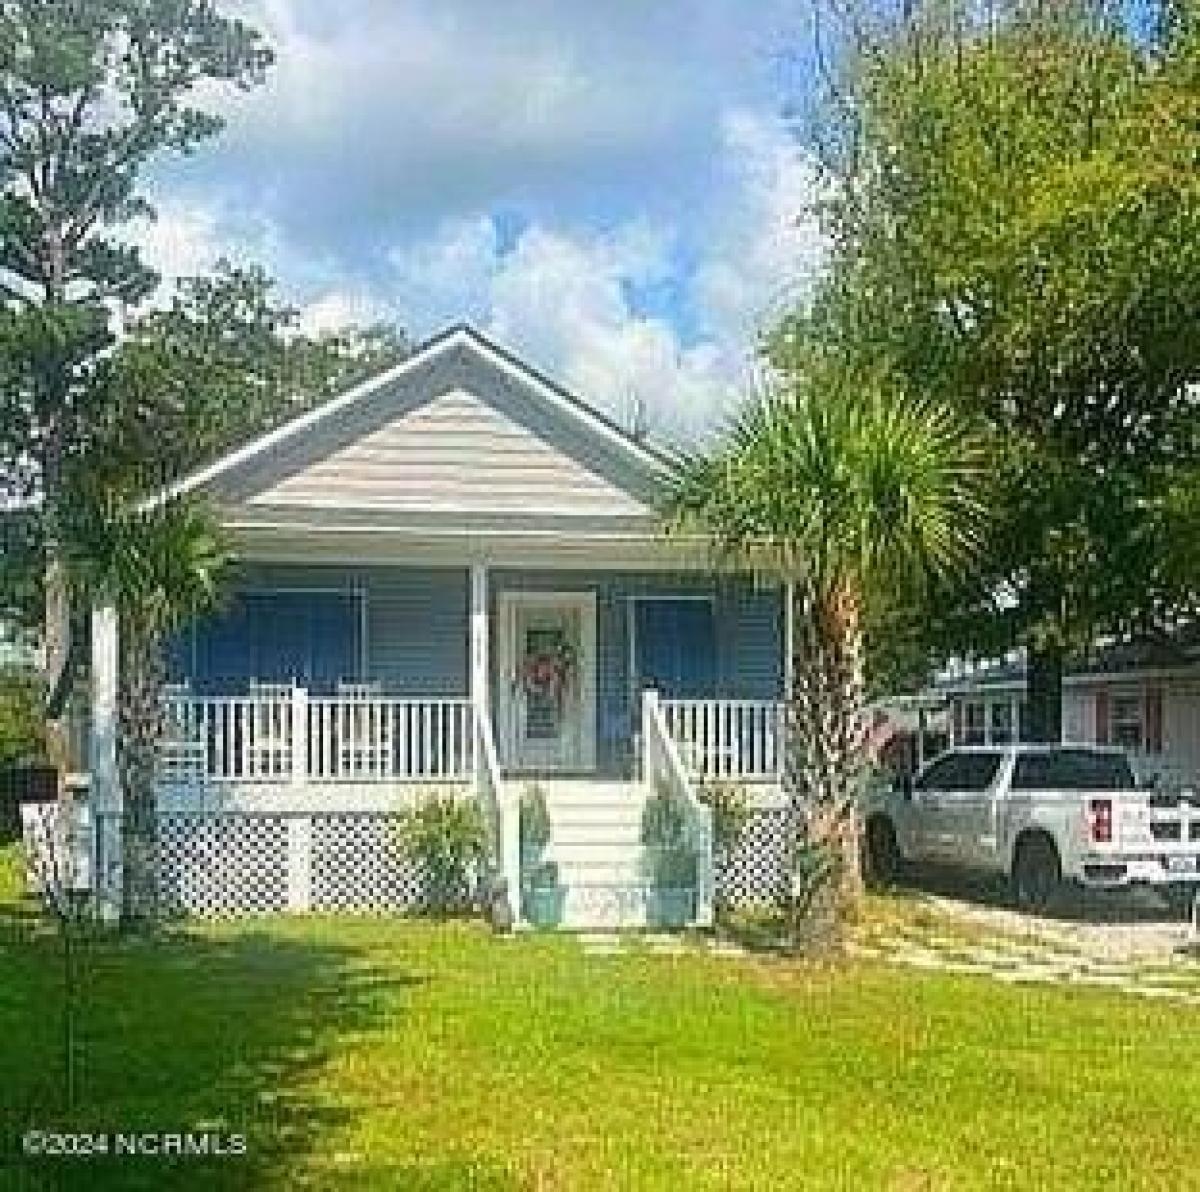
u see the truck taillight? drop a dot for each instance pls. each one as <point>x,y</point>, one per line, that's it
<point>1100,820</point>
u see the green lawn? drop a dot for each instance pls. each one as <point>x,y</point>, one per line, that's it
<point>390,1054</point>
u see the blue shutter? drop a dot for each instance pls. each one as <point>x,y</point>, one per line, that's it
<point>276,637</point>
<point>676,646</point>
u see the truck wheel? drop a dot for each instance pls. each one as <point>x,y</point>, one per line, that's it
<point>1180,899</point>
<point>1036,873</point>
<point>882,852</point>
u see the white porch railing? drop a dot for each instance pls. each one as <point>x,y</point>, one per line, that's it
<point>736,739</point>
<point>294,737</point>
<point>371,739</point>
<point>663,770</point>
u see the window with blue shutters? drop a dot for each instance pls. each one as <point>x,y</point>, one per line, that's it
<point>273,636</point>
<point>675,647</point>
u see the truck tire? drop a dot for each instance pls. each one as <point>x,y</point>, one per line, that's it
<point>1036,872</point>
<point>882,853</point>
<point>1180,898</point>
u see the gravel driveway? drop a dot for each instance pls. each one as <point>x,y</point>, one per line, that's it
<point>1129,927</point>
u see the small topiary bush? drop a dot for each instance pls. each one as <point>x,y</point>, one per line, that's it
<point>535,823</point>
<point>671,853</point>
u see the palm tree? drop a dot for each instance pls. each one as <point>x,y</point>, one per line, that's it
<point>162,565</point>
<point>857,495</point>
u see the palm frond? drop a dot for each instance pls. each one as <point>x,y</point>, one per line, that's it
<point>161,566</point>
<point>840,477</point>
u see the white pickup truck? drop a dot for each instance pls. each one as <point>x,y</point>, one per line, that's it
<point>1042,815</point>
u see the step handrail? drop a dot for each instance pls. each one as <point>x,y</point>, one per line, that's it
<point>662,766</point>
<point>502,812</point>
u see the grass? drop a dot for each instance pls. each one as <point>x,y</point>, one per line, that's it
<point>395,1054</point>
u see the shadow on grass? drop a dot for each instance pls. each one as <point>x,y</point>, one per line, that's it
<point>207,1030</point>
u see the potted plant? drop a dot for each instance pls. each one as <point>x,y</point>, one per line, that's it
<point>541,895</point>
<point>535,825</point>
<point>671,861</point>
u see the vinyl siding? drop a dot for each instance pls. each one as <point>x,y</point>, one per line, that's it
<point>455,453</point>
<point>417,626</point>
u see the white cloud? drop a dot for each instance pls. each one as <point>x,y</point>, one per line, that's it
<point>601,187</point>
<point>185,240</point>
<point>562,297</point>
<point>768,247</point>
<point>338,309</point>
<point>389,115</point>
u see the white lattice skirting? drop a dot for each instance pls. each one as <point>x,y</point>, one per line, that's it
<point>754,872</point>
<point>226,865</point>
<point>238,864</point>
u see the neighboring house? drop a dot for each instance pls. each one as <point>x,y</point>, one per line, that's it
<point>453,575</point>
<point>1143,696</point>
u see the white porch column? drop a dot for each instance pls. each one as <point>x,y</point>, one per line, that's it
<point>480,693</point>
<point>105,789</point>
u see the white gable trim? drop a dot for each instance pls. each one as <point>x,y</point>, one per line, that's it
<point>438,346</point>
<point>576,409</point>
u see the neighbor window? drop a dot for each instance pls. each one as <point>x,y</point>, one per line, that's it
<point>1130,718</point>
<point>974,723</point>
<point>1125,726</point>
<point>1000,722</point>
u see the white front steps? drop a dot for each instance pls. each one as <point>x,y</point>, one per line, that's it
<point>605,873</point>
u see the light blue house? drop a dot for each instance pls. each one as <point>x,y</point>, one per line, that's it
<point>453,574</point>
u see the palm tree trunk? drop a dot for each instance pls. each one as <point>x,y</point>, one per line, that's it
<point>141,727</point>
<point>825,754</point>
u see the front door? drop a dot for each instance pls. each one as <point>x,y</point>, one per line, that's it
<point>547,680</point>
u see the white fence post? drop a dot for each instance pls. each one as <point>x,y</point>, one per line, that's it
<point>105,790</point>
<point>299,863</point>
<point>299,737</point>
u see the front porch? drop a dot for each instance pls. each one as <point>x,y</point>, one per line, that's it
<point>349,684</point>
<point>322,701</point>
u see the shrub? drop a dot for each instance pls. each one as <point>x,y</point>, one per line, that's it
<point>446,836</point>
<point>730,805</point>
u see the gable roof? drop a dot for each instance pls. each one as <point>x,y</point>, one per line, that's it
<point>459,358</point>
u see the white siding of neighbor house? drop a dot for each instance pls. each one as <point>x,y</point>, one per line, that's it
<point>1181,726</point>
<point>454,453</point>
<point>1179,759</point>
<point>1078,716</point>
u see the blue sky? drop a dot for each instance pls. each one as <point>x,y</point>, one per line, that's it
<point>608,188</point>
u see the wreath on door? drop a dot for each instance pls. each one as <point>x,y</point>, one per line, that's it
<point>549,671</point>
